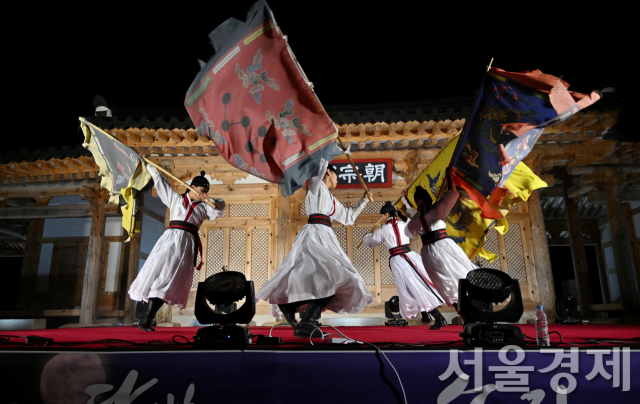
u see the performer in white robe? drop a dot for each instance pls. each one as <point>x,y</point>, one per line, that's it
<point>443,259</point>
<point>316,272</point>
<point>167,274</point>
<point>416,292</point>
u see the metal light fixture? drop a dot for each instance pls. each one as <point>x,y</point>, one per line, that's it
<point>476,294</point>
<point>392,312</point>
<point>223,290</point>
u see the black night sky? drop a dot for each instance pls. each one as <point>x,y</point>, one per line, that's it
<point>58,59</point>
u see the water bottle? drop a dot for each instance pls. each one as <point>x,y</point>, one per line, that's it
<point>542,331</point>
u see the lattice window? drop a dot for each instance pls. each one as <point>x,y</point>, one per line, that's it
<point>514,207</point>
<point>386,276</point>
<point>238,250</point>
<point>252,210</point>
<point>363,257</point>
<point>491,245</point>
<point>259,257</point>
<point>341,234</point>
<point>515,253</point>
<point>215,252</point>
<point>372,208</point>
<point>303,209</point>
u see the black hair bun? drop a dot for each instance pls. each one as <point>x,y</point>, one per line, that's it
<point>202,173</point>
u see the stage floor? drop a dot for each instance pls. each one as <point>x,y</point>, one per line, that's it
<point>406,365</point>
<point>413,337</point>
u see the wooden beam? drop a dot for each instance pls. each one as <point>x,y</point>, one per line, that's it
<point>152,214</point>
<point>12,253</point>
<point>55,211</point>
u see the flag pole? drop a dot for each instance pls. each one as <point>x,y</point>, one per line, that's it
<point>189,187</point>
<point>466,121</point>
<point>354,167</point>
<point>411,184</point>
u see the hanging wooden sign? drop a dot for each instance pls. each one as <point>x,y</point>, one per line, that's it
<point>375,172</point>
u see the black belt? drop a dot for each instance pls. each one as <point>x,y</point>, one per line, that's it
<point>319,219</point>
<point>193,229</point>
<point>433,236</point>
<point>402,249</point>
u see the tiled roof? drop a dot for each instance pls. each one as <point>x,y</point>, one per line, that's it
<point>44,154</point>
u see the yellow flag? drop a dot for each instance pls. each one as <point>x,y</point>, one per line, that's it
<point>121,169</point>
<point>464,223</point>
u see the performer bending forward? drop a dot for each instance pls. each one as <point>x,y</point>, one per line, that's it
<point>317,273</point>
<point>167,274</point>
<point>443,259</point>
<point>416,291</point>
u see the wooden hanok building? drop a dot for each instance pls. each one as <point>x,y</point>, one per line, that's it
<point>65,260</point>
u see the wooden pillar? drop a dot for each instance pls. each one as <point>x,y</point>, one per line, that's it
<point>133,261</point>
<point>540,248</point>
<point>29,275</point>
<point>284,227</point>
<point>93,269</point>
<point>602,271</point>
<point>541,257</point>
<point>578,254</point>
<point>621,244</point>
<point>631,228</point>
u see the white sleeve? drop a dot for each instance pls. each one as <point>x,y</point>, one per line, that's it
<point>163,188</point>
<point>373,240</point>
<point>412,229</point>
<point>314,182</point>
<point>347,216</point>
<point>410,209</point>
<point>213,213</point>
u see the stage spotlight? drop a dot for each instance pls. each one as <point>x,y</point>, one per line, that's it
<point>476,294</point>
<point>222,290</point>
<point>392,312</point>
<point>567,310</point>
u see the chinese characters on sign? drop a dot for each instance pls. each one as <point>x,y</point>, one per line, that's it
<point>376,173</point>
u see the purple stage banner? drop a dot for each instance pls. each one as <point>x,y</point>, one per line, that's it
<point>510,375</point>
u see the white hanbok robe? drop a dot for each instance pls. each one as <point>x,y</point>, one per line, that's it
<point>444,260</point>
<point>415,289</point>
<point>316,267</point>
<point>168,272</point>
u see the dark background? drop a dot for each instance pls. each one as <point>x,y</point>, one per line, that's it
<point>57,57</point>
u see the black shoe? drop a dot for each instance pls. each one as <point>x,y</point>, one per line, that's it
<point>147,318</point>
<point>289,312</point>
<point>440,322</point>
<point>145,327</point>
<point>305,329</point>
<point>425,317</point>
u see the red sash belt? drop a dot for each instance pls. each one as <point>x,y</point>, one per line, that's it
<point>319,219</point>
<point>433,236</point>
<point>402,249</point>
<point>193,229</point>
